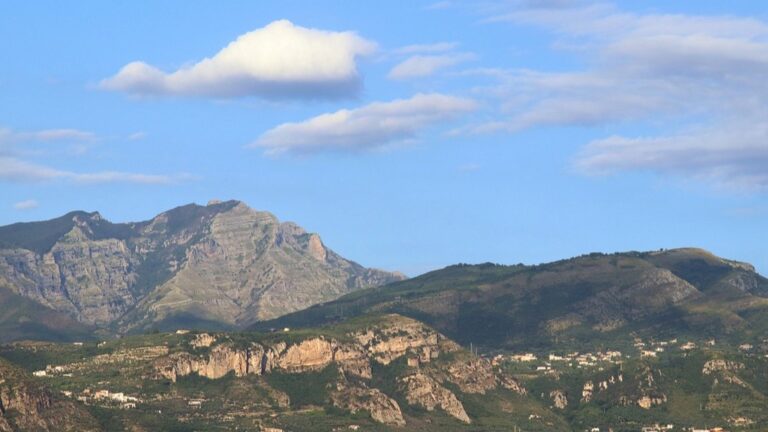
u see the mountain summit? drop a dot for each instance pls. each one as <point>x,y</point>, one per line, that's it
<point>223,265</point>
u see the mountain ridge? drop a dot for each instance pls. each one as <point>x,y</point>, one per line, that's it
<point>584,299</point>
<point>221,263</point>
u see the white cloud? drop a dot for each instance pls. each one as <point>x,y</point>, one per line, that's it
<point>281,60</point>
<point>418,66</point>
<point>137,136</point>
<point>427,48</point>
<point>11,136</point>
<point>700,77</point>
<point>373,126</point>
<point>26,205</point>
<point>735,156</point>
<point>17,170</point>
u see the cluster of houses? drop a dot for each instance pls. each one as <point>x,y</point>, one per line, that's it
<point>665,428</point>
<point>105,397</point>
<point>575,359</point>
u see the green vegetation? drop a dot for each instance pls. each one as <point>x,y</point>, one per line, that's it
<point>306,389</point>
<point>589,301</point>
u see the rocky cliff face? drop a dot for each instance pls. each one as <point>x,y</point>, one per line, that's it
<point>423,391</point>
<point>88,279</point>
<point>224,263</point>
<point>392,338</point>
<point>353,355</point>
<point>382,408</point>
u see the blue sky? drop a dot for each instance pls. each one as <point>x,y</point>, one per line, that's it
<point>410,135</point>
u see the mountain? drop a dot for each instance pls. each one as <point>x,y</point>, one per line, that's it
<point>584,301</point>
<point>223,265</point>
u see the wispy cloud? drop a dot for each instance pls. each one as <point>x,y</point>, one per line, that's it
<point>280,60</point>
<point>137,136</point>
<point>373,126</point>
<point>17,170</point>
<point>418,66</point>
<point>702,77</point>
<point>427,48</point>
<point>10,136</point>
<point>26,205</point>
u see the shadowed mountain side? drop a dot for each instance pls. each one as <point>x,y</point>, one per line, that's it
<point>585,300</point>
<point>22,318</point>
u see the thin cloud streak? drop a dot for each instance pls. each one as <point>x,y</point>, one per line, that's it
<point>419,66</point>
<point>26,205</point>
<point>16,170</point>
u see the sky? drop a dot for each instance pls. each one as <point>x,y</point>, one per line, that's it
<point>410,135</point>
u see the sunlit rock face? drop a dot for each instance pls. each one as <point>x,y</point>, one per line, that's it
<point>224,265</point>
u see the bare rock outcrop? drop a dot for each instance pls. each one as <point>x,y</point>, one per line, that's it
<point>474,375</point>
<point>421,390</point>
<point>510,383</point>
<point>586,392</point>
<point>559,399</point>
<point>203,340</point>
<point>397,336</point>
<point>311,354</point>
<point>720,365</point>
<point>222,360</point>
<point>382,408</point>
<point>649,401</point>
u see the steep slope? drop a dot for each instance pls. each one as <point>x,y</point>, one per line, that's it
<point>222,265</point>
<point>590,299</point>
<point>28,406</point>
<point>22,318</point>
<point>246,266</point>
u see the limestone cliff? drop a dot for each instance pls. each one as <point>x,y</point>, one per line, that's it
<point>393,337</point>
<point>387,339</point>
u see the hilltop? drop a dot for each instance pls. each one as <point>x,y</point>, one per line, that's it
<point>587,300</point>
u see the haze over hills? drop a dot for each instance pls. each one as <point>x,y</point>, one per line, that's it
<point>222,266</point>
<point>588,300</point>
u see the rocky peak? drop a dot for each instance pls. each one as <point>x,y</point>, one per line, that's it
<point>224,262</point>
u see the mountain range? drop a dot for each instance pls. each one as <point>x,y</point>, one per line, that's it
<point>219,266</point>
<point>221,317</point>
